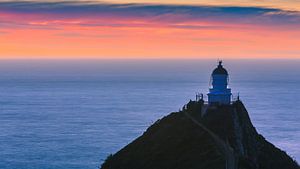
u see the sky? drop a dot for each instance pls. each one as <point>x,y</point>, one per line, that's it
<point>138,29</point>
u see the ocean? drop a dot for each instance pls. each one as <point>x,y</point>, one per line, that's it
<point>71,114</point>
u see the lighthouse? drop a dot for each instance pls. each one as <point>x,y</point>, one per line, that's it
<point>219,92</point>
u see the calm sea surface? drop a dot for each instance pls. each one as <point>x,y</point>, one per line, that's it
<point>72,114</point>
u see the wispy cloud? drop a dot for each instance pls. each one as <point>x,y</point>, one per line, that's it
<point>103,14</point>
<point>81,35</point>
<point>79,29</point>
<point>3,33</point>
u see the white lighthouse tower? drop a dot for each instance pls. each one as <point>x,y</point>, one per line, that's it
<point>219,93</point>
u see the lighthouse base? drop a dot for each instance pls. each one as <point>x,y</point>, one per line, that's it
<point>219,98</point>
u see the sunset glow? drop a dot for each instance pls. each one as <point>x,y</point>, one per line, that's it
<point>104,30</point>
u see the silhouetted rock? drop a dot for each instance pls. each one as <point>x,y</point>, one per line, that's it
<point>191,140</point>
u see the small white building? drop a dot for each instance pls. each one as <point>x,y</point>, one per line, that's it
<point>219,92</point>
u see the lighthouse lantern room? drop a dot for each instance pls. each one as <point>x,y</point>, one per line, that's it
<point>219,92</point>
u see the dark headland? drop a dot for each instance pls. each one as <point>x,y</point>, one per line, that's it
<point>217,134</point>
<point>222,138</point>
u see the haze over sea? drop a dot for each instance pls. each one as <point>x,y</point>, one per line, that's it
<point>71,114</point>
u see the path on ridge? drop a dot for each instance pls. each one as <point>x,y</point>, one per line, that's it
<point>225,148</point>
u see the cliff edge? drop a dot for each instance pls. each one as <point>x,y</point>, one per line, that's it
<point>202,137</point>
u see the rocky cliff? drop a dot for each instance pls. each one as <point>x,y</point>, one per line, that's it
<point>202,137</point>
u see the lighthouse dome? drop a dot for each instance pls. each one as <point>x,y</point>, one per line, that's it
<point>220,70</point>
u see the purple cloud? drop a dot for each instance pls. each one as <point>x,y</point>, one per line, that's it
<point>162,13</point>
